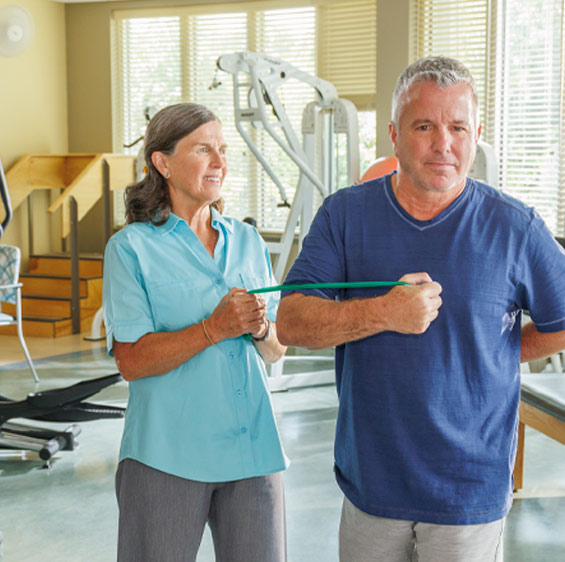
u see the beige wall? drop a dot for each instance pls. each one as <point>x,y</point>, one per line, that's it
<point>33,109</point>
<point>393,55</point>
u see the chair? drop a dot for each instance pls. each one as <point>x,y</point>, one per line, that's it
<point>10,292</point>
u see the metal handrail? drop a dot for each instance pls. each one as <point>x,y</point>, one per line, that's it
<point>6,203</point>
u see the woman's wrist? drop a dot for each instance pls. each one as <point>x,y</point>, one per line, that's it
<point>207,333</point>
<point>265,335</point>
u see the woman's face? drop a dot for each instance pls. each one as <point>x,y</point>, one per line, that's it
<point>197,168</point>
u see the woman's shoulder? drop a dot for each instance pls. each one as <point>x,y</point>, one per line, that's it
<point>240,228</point>
<point>134,229</point>
<point>131,234</point>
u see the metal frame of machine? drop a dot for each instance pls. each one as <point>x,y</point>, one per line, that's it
<point>257,79</point>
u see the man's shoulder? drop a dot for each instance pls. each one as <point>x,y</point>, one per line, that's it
<point>502,202</point>
<point>358,193</point>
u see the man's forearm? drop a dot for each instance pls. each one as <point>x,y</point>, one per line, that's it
<point>537,345</point>
<point>319,323</point>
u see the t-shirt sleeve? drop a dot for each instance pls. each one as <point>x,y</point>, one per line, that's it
<point>127,312</point>
<point>543,278</point>
<point>321,259</point>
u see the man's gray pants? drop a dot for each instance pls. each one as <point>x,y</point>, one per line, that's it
<point>365,538</point>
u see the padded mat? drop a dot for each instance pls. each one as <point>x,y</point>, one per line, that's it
<point>545,391</point>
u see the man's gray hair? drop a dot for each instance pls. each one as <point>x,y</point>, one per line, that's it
<point>443,71</point>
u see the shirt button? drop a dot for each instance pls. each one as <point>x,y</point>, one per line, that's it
<point>243,430</point>
<point>239,393</point>
<point>232,354</point>
<point>219,281</point>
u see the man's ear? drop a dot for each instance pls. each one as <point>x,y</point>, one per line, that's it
<point>392,133</point>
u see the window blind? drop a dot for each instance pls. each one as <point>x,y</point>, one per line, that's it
<point>147,71</point>
<point>457,29</point>
<point>561,207</point>
<point>530,105</point>
<point>163,56</point>
<point>347,52</point>
<point>276,35</point>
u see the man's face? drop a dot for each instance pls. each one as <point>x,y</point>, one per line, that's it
<point>436,136</point>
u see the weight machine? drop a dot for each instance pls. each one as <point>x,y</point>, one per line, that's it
<point>257,80</point>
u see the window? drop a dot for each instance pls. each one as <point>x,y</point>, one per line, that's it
<point>530,106</point>
<point>454,29</point>
<point>514,48</point>
<point>165,56</point>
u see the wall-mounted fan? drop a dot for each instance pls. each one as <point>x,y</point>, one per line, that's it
<point>16,30</point>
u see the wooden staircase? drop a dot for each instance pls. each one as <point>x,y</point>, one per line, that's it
<point>46,296</point>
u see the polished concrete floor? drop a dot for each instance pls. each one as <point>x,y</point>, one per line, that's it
<point>67,513</point>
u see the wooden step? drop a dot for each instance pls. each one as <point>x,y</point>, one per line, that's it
<point>89,266</point>
<point>46,295</point>
<point>52,306</point>
<point>50,285</point>
<point>33,305</point>
<point>48,327</point>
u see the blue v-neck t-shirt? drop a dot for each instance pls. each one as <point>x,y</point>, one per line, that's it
<point>427,424</point>
<point>211,418</point>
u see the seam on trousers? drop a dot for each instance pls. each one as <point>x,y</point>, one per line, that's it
<point>500,542</point>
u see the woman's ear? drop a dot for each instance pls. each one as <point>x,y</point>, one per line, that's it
<point>160,162</point>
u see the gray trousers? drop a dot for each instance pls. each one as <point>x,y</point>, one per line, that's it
<point>162,517</point>
<point>365,538</point>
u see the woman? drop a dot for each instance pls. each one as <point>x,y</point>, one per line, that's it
<point>200,443</point>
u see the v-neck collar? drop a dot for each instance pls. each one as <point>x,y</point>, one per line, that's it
<point>420,224</point>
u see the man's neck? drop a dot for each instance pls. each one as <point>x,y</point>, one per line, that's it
<point>420,203</point>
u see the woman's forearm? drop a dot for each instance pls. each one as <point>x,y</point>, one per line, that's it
<point>158,353</point>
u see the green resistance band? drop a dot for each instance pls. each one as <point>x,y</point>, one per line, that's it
<point>350,285</point>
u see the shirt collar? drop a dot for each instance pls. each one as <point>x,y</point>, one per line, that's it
<point>218,218</point>
<point>174,220</point>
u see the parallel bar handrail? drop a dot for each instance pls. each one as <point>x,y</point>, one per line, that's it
<point>75,279</point>
<point>5,196</point>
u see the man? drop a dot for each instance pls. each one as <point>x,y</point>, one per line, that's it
<point>428,385</point>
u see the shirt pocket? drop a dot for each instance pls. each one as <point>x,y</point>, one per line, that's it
<point>176,305</point>
<point>250,281</point>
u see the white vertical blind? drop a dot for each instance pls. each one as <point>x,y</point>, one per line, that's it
<point>530,105</point>
<point>348,49</point>
<point>210,37</point>
<point>457,29</point>
<point>515,50</point>
<point>148,63</point>
<point>276,35</point>
<point>561,206</point>
<point>163,56</point>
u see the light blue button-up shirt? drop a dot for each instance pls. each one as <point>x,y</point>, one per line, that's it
<point>211,418</point>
